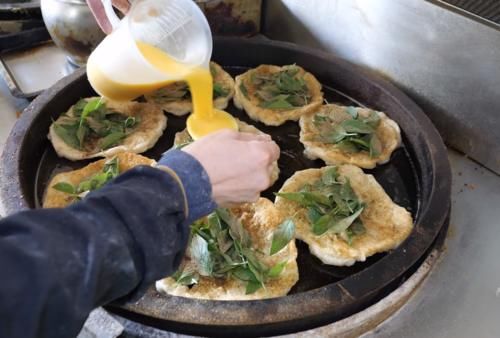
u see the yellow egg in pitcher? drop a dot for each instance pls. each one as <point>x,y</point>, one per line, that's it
<point>157,43</point>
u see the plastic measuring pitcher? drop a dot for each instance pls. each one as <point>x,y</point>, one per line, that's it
<point>117,68</point>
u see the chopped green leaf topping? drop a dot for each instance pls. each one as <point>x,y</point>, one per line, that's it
<point>65,187</point>
<point>109,171</point>
<point>354,134</point>
<point>187,277</point>
<point>282,236</point>
<point>67,132</point>
<point>283,90</point>
<point>220,91</point>
<point>332,206</point>
<point>213,70</point>
<point>220,247</point>
<point>90,123</point>
<point>244,90</point>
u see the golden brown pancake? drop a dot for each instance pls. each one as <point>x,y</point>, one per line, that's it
<point>388,133</point>
<point>260,219</point>
<point>144,136</point>
<point>274,117</point>
<point>387,224</point>
<point>57,199</point>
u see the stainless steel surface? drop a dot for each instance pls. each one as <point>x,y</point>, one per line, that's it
<point>486,9</point>
<point>461,296</point>
<point>29,72</point>
<point>19,5</point>
<point>72,27</point>
<point>448,62</point>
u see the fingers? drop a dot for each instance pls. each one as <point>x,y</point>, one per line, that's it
<point>253,137</point>
<point>272,148</point>
<point>122,5</point>
<point>265,141</point>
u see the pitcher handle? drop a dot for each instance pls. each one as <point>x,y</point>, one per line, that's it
<point>105,15</point>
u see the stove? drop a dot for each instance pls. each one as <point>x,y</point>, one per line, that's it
<point>453,292</point>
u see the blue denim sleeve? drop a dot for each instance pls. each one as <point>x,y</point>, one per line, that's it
<point>59,264</point>
<point>197,187</point>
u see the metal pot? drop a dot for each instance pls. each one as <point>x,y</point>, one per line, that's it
<point>72,27</point>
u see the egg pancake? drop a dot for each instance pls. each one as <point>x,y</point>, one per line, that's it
<point>151,122</point>
<point>387,132</point>
<point>386,224</point>
<point>273,100</point>
<point>57,199</point>
<point>259,219</point>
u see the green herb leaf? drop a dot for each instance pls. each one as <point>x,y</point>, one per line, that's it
<point>244,274</point>
<point>352,111</point>
<point>110,170</point>
<point>337,134</point>
<point>65,187</point>
<point>375,146</point>
<point>252,287</point>
<point>320,119</point>
<point>373,120</point>
<point>213,70</point>
<point>360,142</point>
<point>348,146</point>
<point>81,133</point>
<point>111,139</point>
<point>352,135</point>
<point>78,107</point>
<point>322,224</point>
<point>279,102</point>
<point>67,133</point>
<point>244,90</point>
<point>112,167</point>
<point>282,236</point>
<point>314,214</point>
<point>277,269</point>
<point>330,176</point>
<point>219,91</point>
<point>339,225</point>
<point>357,227</point>
<point>91,106</point>
<point>186,276</point>
<point>305,198</point>
<point>200,255</point>
<point>129,122</point>
<point>235,227</point>
<point>357,126</point>
<point>281,90</point>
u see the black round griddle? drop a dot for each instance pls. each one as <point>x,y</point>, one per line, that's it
<point>417,177</point>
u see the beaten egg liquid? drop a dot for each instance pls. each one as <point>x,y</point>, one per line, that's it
<point>204,118</point>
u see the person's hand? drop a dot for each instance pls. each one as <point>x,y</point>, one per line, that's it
<point>239,165</point>
<point>97,9</point>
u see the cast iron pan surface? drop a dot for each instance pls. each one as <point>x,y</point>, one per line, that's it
<point>417,177</point>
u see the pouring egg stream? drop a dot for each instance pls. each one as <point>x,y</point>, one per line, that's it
<point>204,119</point>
